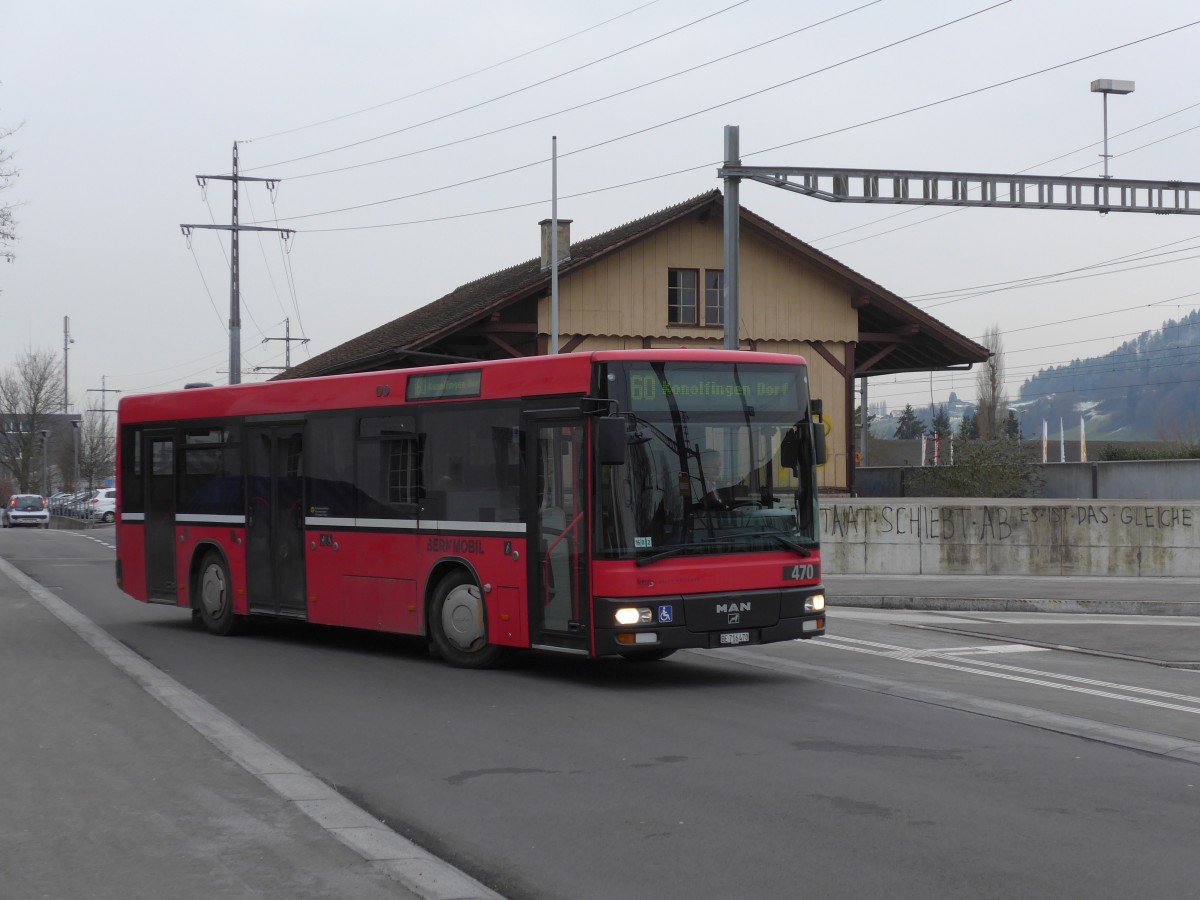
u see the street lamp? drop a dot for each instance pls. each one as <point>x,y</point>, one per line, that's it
<point>75,435</point>
<point>1108,86</point>
<point>45,442</point>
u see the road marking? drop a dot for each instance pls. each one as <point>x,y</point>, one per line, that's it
<point>947,659</point>
<point>88,537</point>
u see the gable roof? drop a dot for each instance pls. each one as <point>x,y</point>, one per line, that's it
<point>396,342</point>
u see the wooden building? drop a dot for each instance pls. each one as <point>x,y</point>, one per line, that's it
<point>658,282</point>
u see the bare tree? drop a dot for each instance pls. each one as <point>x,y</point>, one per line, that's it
<point>8,230</point>
<point>30,395</point>
<point>97,446</point>
<point>992,403</point>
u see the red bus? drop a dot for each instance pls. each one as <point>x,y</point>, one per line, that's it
<point>616,502</point>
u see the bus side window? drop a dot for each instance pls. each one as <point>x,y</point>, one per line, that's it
<point>389,482</point>
<point>330,487</point>
<point>472,463</point>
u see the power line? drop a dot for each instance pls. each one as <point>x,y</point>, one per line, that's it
<point>1075,278</point>
<point>1014,373</point>
<point>584,104</point>
<point>267,266</point>
<point>941,295</point>
<point>458,78</point>
<point>678,119</point>
<point>505,95</point>
<point>712,163</point>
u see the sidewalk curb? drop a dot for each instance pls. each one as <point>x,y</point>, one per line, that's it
<point>414,868</point>
<point>1008,604</point>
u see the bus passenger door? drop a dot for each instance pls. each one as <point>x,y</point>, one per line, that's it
<point>559,598</point>
<point>158,470</point>
<point>275,519</point>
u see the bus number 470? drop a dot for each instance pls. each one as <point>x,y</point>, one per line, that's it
<point>803,572</point>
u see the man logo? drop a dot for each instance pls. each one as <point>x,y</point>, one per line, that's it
<point>735,618</point>
<point>733,607</point>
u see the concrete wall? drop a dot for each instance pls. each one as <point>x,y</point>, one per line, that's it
<point>1010,537</point>
<point>1166,479</point>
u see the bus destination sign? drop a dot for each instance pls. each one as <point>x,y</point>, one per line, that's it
<point>443,385</point>
<point>715,388</point>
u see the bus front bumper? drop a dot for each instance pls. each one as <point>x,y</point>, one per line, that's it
<point>710,621</point>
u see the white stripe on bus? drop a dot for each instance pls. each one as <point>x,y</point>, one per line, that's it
<point>424,525</point>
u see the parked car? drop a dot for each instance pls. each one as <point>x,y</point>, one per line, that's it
<point>26,509</point>
<point>102,505</point>
<point>73,504</point>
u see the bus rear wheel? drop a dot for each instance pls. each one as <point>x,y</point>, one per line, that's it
<point>458,624</point>
<point>214,597</point>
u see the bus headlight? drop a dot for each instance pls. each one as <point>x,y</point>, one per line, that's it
<point>630,615</point>
<point>815,603</point>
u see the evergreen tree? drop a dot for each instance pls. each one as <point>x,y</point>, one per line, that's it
<point>968,428</point>
<point>909,427</point>
<point>941,422</point>
<point>1012,426</point>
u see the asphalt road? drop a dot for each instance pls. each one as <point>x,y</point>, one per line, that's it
<point>887,759</point>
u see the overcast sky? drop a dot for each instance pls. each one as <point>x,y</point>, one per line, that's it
<point>409,165</point>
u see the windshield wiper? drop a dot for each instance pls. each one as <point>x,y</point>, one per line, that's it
<point>782,539</point>
<point>729,539</point>
<point>677,550</point>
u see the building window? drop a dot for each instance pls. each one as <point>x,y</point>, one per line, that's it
<point>682,305</point>
<point>714,297</point>
<point>404,470</point>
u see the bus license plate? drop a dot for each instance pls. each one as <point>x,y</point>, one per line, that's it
<point>735,637</point>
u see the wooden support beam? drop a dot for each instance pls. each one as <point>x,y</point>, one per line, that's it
<point>869,364</point>
<point>819,346</point>
<point>504,345</point>
<point>573,343</point>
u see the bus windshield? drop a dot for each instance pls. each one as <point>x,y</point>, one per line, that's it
<point>718,461</point>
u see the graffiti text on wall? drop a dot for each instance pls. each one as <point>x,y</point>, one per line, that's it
<point>992,523</point>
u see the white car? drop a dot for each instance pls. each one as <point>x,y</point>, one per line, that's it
<point>26,509</point>
<point>101,506</point>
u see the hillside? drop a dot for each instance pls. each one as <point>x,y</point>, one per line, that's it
<point>1146,389</point>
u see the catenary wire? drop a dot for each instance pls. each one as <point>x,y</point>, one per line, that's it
<point>498,97</point>
<point>693,114</point>
<point>242,305</point>
<point>710,164</point>
<point>266,262</point>
<point>587,103</point>
<point>458,78</point>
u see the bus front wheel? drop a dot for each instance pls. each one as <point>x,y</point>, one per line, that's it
<point>458,624</point>
<point>214,597</point>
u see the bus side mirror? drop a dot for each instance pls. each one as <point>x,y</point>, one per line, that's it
<point>610,440</point>
<point>789,450</point>
<point>818,439</point>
